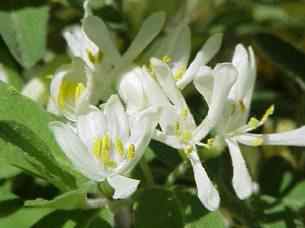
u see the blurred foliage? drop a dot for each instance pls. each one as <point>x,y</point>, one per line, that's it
<point>32,45</point>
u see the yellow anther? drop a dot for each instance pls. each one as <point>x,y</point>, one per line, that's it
<point>97,147</point>
<point>66,92</point>
<point>186,136</point>
<point>253,122</point>
<point>184,113</point>
<point>119,147</point>
<point>177,128</point>
<point>257,141</point>
<point>268,113</point>
<point>79,89</point>
<point>131,151</point>
<point>242,106</point>
<point>101,149</point>
<point>166,59</point>
<point>188,150</point>
<point>180,72</point>
<point>94,58</point>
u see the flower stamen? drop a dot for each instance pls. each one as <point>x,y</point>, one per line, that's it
<point>131,152</point>
<point>180,72</point>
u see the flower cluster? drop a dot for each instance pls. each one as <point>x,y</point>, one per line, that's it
<point>113,108</point>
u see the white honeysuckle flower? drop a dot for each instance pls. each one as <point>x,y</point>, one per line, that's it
<point>37,90</point>
<point>142,87</point>
<point>81,46</point>
<point>106,144</point>
<point>109,73</point>
<point>231,127</point>
<point>71,89</point>
<point>178,60</point>
<point>95,44</point>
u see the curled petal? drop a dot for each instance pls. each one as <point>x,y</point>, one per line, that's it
<point>224,77</point>
<point>123,186</point>
<point>80,45</point>
<point>206,191</point>
<point>241,181</point>
<point>204,82</point>
<point>289,138</point>
<point>207,52</point>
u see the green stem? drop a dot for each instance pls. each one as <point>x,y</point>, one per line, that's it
<point>149,179</point>
<point>180,170</point>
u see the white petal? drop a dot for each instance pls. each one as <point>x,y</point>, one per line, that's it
<point>150,28</point>
<point>244,81</point>
<point>170,140</point>
<point>180,47</point>
<point>175,43</point>
<point>251,81</point>
<point>250,139</point>
<point>167,83</point>
<point>169,118</point>
<point>97,31</point>
<point>123,186</point>
<point>204,82</point>
<point>207,52</point>
<point>36,89</point>
<point>141,129</point>
<point>78,73</point>
<point>241,181</point>
<point>211,47</point>
<point>79,44</point>
<point>116,118</point>
<point>91,126</point>
<point>131,90</point>
<point>289,138</point>
<point>76,151</point>
<point>52,108</point>
<point>155,95</point>
<point>224,78</point>
<point>206,191</point>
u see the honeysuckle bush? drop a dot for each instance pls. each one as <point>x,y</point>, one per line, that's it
<point>152,114</point>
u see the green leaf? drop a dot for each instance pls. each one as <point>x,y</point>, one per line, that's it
<point>195,215</point>
<point>7,171</point>
<point>23,218</point>
<point>157,208</point>
<point>25,133</point>
<point>284,55</point>
<point>9,202</point>
<point>68,201</point>
<point>75,219</point>
<point>24,32</point>
<point>295,198</point>
<point>163,208</point>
